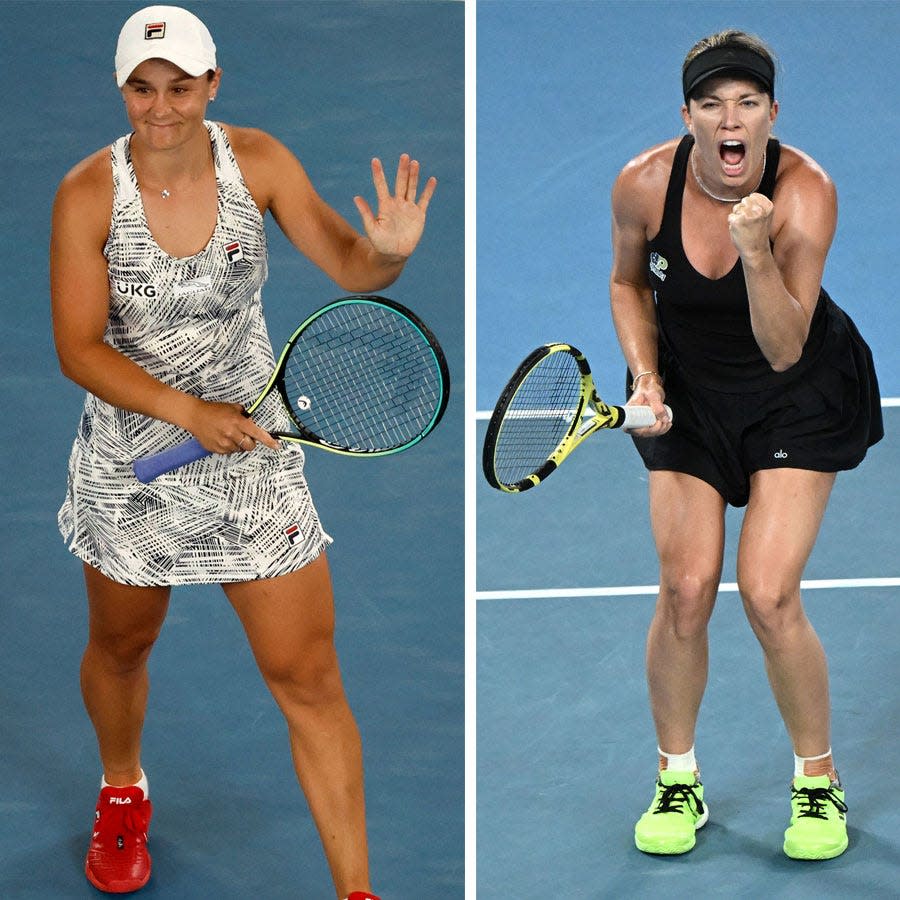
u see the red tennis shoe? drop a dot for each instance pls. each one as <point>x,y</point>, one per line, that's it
<point>362,895</point>
<point>117,859</point>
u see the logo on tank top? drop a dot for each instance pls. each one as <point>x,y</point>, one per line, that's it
<point>233,251</point>
<point>193,286</point>
<point>780,454</point>
<point>658,265</point>
<point>154,31</point>
<point>136,289</point>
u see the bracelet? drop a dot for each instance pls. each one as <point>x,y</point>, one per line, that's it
<point>640,375</point>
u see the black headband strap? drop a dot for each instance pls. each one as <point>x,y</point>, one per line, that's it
<point>724,59</point>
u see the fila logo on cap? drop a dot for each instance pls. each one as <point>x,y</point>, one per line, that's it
<point>233,251</point>
<point>154,31</point>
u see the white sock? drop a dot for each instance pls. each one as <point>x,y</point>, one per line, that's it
<point>142,784</point>
<point>679,762</point>
<point>799,762</point>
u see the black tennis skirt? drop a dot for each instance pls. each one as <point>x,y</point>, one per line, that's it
<point>824,420</point>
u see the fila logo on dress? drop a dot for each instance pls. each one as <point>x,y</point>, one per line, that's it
<point>233,251</point>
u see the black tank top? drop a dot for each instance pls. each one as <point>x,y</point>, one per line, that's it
<point>705,323</point>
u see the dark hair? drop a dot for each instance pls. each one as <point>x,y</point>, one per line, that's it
<point>744,47</point>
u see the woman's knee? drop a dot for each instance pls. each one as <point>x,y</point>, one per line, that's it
<point>309,677</point>
<point>121,651</point>
<point>686,602</point>
<point>124,621</point>
<point>772,607</point>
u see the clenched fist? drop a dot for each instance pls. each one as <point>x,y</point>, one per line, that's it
<point>749,224</point>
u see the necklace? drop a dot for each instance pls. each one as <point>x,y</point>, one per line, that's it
<point>709,193</point>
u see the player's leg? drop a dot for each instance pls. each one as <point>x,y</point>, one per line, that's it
<point>124,623</point>
<point>687,516</point>
<point>780,528</point>
<point>289,622</point>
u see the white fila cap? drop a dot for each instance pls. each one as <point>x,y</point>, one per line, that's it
<point>164,32</point>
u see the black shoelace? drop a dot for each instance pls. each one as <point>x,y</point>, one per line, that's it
<point>674,795</point>
<point>813,801</point>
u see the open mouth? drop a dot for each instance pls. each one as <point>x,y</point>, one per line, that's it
<point>732,154</point>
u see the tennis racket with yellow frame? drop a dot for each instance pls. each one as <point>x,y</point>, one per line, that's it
<point>547,409</point>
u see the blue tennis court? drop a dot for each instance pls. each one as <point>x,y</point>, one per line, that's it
<point>566,577</point>
<point>338,82</point>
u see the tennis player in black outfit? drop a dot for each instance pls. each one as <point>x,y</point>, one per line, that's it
<point>720,240</point>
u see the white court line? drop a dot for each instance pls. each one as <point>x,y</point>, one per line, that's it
<point>485,414</point>
<point>651,590</point>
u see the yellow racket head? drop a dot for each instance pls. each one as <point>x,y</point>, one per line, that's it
<point>538,414</point>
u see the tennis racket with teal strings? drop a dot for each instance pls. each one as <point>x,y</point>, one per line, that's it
<point>362,376</point>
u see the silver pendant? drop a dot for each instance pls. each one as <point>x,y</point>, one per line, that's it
<point>164,194</point>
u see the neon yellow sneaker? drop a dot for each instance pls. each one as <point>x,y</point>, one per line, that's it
<point>677,811</point>
<point>818,828</point>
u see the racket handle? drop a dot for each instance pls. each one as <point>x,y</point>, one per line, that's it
<point>640,416</point>
<point>149,467</point>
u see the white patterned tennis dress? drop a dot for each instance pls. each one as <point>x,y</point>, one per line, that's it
<point>195,323</point>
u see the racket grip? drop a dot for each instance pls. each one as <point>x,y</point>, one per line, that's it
<point>149,467</point>
<point>640,416</point>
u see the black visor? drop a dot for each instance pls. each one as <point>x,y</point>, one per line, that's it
<point>718,60</point>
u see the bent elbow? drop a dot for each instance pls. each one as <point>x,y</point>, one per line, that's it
<point>787,352</point>
<point>72,366</point>
<point>68,369</point>
<point>785,362</point>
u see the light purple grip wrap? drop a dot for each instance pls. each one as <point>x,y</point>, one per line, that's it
<point>151,467</point>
